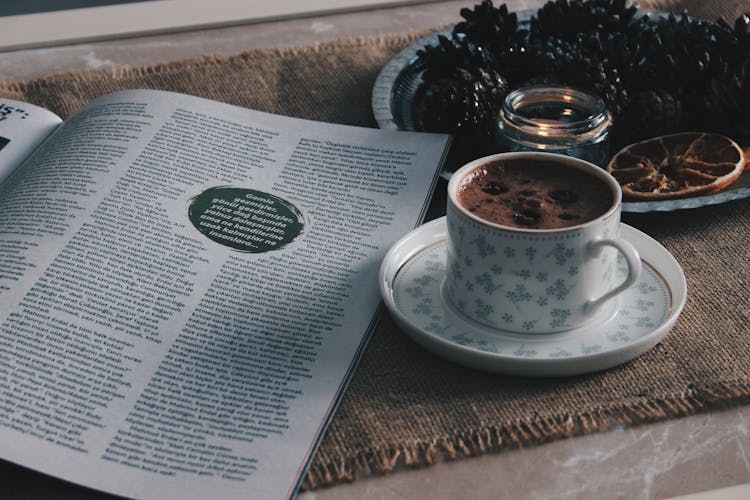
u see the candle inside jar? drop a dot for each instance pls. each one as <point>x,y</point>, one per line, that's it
<point>558,120</point>
<point>561,111</point>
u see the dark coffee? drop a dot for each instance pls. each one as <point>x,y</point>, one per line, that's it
<point>534,194</point>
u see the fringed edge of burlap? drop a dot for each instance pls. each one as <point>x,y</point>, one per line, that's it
<point>517,434</point>
<point>393,40</point>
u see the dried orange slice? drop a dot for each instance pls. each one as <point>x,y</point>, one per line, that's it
<point>677,166</point>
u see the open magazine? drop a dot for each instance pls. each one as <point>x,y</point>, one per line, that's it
<point>186,287</point>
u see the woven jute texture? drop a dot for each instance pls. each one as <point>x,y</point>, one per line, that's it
<point>406,407</point>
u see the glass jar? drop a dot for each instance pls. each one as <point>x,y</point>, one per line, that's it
<point>556,119</point>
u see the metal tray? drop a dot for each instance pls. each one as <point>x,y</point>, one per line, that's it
<point>394,97</point>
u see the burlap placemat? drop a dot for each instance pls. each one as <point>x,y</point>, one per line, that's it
<point>408,407</point>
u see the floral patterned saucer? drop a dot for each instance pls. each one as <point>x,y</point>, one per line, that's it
<point>411,279</point>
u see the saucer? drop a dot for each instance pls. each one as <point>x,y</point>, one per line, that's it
<point>411,278</point>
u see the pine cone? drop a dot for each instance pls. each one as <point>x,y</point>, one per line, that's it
<point>567,19</point>
<point>441,60</point>
<point>583,64</point>
<point>732,42</point>
<point>649,114</point>
<point>465,104</point>
<point>675,54</point>
<point>497,30</point>
<point>674,66</point>
<point>486,24</point>
<point>726,105</point>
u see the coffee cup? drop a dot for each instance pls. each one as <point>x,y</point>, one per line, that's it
<point>533,243</point>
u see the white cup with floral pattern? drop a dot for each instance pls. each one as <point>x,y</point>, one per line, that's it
<point>527,279</point>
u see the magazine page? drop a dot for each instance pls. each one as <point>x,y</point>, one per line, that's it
<point>190,287</point>
<point>23,127</point>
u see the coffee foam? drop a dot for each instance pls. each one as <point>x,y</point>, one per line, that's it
<point>534,194</point>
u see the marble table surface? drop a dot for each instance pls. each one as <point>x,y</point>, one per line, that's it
<point>703,452</point>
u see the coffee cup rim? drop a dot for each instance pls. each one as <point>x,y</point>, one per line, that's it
<point>597,171</point>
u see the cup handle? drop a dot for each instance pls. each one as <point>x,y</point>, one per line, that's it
<point>634,269</point>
